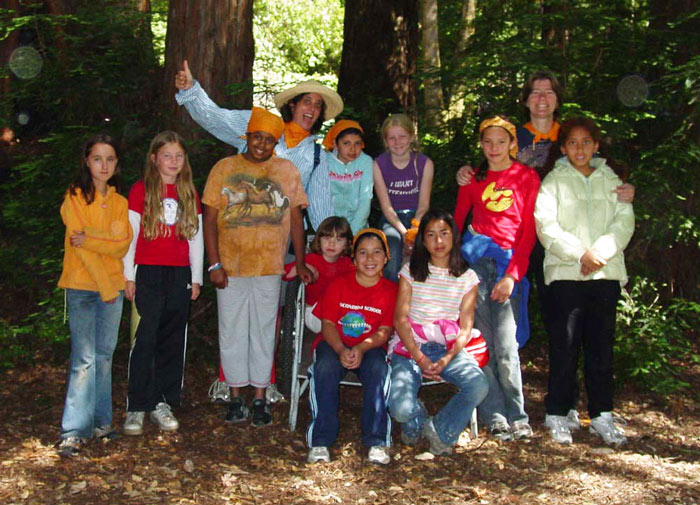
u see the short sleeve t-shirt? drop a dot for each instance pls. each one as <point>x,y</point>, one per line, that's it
<point>253,202</point>
<point>357,311</point>
<point>168,250</point>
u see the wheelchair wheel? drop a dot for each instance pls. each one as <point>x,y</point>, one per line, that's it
<point>286,350</point>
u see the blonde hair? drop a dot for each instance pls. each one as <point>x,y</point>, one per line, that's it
<point>152,219</point>
<point>404,122</point>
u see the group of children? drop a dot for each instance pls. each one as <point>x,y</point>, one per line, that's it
<point>452,292</point>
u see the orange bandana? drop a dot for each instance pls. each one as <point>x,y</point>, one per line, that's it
<point>264,121</point>
<point>506,125</point>
<point>293,134</point>
<point>338,128</point>
<point>552,135</point>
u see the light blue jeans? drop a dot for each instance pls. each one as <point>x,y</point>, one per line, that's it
<point>406,378</point>
<point>94,326</point>
<point>393,237</point>
<point>498,324</point>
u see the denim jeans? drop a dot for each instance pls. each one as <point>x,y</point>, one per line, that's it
<point>94,326</point>
<point>393,237</point>
<point>498,324</point>
<point>325,376</point>
<point>406,377</point>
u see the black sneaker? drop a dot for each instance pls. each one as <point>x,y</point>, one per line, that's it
<point>237,412</point>
<point>261,413</point>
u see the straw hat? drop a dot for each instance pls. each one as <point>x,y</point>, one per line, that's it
<point>334,104</point>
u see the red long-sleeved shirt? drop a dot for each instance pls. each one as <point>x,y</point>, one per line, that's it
<point>504,204</point>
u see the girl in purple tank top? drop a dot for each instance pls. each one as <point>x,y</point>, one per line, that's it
<point>403,179</point>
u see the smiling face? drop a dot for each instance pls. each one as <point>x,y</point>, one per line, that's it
<point>370,258</point>
<point>102,162</point>
<point>398,141</point>
<point>349,147</point>
<point>438,241</point>
<point>261,146</point>
<point>169,160</point>
<point>542,101</point>
<point>496,143</point>
<point>307,110</point>
<point>579,147</point>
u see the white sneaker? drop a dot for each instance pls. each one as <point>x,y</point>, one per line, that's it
<point>164,417</point>
<point>573,421</point>
<point>273,395</point>
<point>317,454</point>
<point>604,426</point>
<point>558,428</point>
<point>219,392</point>
<point>379,454</point>
<point>133,425</point>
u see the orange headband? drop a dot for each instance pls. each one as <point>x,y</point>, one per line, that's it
<point>373,231</point>
<point>506,125</point>
<point>262,120</point>
<point>338,128</point>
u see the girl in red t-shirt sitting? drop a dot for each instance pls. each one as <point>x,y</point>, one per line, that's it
<point>357,313</point>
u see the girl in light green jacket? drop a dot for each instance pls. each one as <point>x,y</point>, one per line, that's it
<point>584,229</point>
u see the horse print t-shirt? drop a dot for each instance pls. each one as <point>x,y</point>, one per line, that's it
<point>253,202</point>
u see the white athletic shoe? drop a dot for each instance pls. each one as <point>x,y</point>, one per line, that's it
<point>133,425</point>
<point>219,392</point>
<point>558,428</point>
<point>379,454</point>
<point>604,426</point>
<point>317,454</point>
<point>164,417</point>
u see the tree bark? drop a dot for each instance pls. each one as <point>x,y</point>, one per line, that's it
<point>378,64</point>
<point>468,17</point>
<point>9,44</point>
<point>432,85</point>
<point>216,39</point>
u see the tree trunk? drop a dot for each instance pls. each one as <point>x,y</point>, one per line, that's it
<point>432,86</point>
<point>216,39</point>
<point>468,17</point>
<point>378,64</point>
<point>9,44</point>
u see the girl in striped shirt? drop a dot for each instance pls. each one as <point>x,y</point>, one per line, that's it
<point>434,319</point>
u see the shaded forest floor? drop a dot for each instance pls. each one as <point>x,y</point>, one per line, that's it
<point>210,462</point>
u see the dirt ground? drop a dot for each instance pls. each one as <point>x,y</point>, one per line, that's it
<point>210,462</point>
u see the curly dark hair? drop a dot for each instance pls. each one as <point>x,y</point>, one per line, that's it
<point>288,113</point>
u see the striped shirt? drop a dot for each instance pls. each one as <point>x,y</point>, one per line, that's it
<point>440,296</point>
<point>229,125</point>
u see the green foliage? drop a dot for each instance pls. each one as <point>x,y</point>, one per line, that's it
<point>653,339</point>
<point>296,40</point>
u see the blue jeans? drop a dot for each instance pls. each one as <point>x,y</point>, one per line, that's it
<point>393,237</point>
<point>498,324</point>
<point>94,326</point>
<point>406,378</point>
<point>325,374</point>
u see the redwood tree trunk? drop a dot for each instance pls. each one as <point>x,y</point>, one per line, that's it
<point>378,64</point>
<point>432,85</point>
<point>216,39</point>
<point>9,44</point>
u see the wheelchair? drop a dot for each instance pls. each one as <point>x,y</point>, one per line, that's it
<point>295,356</point>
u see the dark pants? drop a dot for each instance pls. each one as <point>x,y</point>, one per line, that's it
<point>326,374</point>
<point>581,313</point>
<point>157,360</point>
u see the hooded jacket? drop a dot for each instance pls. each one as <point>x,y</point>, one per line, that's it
<point>574,213</point>
<point>97,264</point>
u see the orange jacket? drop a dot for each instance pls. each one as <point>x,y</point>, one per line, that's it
<point>97,264</point>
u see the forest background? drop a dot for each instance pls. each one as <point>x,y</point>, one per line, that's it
<point>631,65</point>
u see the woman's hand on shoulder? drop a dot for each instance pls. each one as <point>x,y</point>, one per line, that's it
<point>130,290</point>
<point>464,175</point>
<point>183,78</point>
<point>503,289</point>
<point>625,192</point>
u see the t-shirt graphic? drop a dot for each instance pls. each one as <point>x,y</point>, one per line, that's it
<point>251,202</point>
<point>171,211</point>
<point>497,199</point>
<point>353,325</point>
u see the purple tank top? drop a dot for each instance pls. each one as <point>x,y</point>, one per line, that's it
<point>403,185</point>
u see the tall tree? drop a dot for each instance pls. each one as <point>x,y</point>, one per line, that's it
<point>9,44</point>
<point>432,86</point>
<point>216,38</point>
<point>378,64</point>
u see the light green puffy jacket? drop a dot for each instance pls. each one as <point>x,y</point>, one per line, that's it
<point>575,213</point>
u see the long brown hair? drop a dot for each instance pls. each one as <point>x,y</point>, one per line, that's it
<point>83,178</point>
<point>152,219</point>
